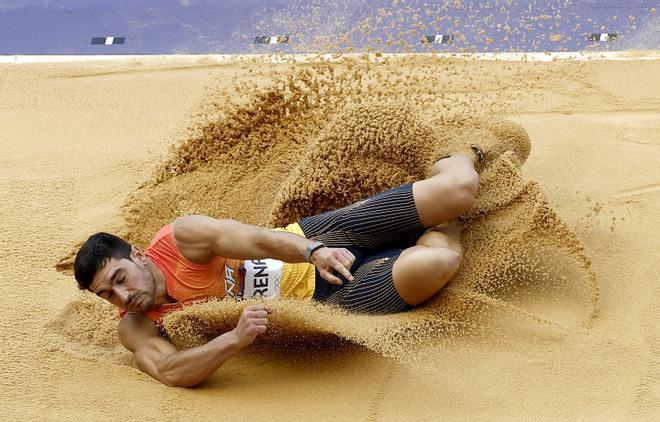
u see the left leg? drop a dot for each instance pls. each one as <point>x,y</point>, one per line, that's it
<point>424,269</point>
<point>372,289</point>
<point>396,280</point>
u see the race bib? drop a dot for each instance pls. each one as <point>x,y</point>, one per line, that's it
<point>262,278</point>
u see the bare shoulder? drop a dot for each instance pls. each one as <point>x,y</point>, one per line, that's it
<point>191,228</point>
<point>195,235</point>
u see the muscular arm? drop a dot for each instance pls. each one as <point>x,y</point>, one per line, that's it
<point>199,238</point>
<point>160,359</point>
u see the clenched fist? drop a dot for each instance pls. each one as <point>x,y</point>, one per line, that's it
<point>327,259</point>
<point>253,321</point>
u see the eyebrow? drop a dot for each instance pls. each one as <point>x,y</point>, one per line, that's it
<point>112,278</point>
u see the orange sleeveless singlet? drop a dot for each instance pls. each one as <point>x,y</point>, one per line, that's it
<point>187,282</point>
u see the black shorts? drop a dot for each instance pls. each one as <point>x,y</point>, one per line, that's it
<point>376,230</point>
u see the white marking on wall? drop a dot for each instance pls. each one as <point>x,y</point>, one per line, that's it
<point>311,58</point>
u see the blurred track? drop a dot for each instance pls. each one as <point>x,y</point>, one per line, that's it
<point>252,26</point>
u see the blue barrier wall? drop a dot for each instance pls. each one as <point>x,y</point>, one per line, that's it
<point>249,26</point>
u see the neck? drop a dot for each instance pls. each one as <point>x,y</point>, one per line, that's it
<point>160,295</point>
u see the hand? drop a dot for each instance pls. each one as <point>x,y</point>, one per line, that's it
<point>326,259</point>
<point>253,321</point>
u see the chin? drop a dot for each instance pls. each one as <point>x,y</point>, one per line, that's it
<point>146,305</point>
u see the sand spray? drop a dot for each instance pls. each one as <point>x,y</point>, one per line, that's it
<point>322,135</point>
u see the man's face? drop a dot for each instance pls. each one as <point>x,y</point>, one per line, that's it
<point>126,283</point>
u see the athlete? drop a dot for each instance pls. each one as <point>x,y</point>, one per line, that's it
<point>382,254</point>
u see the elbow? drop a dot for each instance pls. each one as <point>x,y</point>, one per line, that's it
<point>174,377</point>
<point>177,380</point>
<point>182,383</point>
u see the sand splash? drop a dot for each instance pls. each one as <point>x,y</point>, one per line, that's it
<point>309,142</point>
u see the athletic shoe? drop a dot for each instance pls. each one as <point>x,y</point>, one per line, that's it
<point>485,139</point>
<point>498,137</point>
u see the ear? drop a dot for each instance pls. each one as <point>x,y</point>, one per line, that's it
<point>138,255</point>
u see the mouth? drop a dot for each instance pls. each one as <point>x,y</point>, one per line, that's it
<point>135,301</point>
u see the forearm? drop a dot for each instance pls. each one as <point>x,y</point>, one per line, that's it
<point>188,368</point>
<point>285,246</point>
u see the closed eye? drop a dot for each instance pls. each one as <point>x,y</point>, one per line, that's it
<point>106,294</point>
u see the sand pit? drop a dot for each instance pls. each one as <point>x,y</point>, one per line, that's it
<point>528,314</point>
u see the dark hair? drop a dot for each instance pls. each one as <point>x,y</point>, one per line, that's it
<point>95,253</point>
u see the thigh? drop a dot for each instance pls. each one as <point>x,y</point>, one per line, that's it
<point>372,289</point>
<point>386,220</point>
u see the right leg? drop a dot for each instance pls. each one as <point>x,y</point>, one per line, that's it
<point>382,221</point>
<point>424,269</point>
<point>397,217</point>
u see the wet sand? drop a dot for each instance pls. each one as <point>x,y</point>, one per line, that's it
<point>78,139</point>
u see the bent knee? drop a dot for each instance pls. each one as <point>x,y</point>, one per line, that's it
<point>425,272</point>
<point>447,263</point>
<point>464,188</point>
<point>468,180</point>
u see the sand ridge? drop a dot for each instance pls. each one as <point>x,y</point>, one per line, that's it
<point>594,133</point>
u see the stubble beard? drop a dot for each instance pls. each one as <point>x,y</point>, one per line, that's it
<point>149,298</point>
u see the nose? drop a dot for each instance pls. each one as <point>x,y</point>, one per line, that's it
<point>122,293</point>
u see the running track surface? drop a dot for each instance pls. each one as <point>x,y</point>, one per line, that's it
<point>233,26</point>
